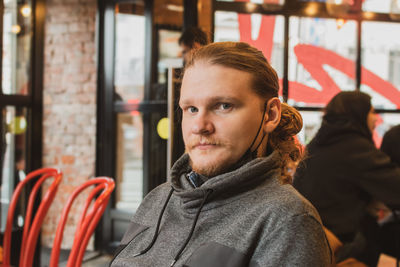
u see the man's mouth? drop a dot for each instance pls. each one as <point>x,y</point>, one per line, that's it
<point>204,146</point>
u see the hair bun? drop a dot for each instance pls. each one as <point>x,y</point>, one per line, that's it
<point>291,122</point>
<point>283,139</point>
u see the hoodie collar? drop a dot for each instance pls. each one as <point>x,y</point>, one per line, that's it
<point>225,185</point>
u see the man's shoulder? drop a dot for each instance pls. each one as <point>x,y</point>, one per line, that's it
<point>153,200</point>
<point>285,201</point>
<point>159,193</point>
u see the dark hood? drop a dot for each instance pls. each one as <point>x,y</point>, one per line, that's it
<point>345,114</point>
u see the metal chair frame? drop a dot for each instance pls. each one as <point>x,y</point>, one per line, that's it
<point>31,228</point>
<point>87,222</point>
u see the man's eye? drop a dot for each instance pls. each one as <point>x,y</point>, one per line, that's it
<point>225,106</point>
<point>192,109</point>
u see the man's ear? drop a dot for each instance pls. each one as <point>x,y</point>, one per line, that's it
<point>272,114</point>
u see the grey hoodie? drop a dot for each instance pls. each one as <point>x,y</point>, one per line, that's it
<point>245,217</point>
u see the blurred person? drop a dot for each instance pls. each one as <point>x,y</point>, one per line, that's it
<point>391,144</point>
<point>192,38</point>
<point>228,202</point>
<point>344,171</point>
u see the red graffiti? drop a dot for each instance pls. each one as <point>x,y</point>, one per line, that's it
<point>264,42</point>
<point>313,59</point>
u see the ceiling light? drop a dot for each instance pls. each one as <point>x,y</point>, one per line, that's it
<point>175,8</point>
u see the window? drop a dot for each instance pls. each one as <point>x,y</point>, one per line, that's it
<point>13,153</point>
<point>394,68</point>
<point>263,32</point>
<point>381,42</point>
<point>385,122</point>
<point>321,62</point>
<point>17,33</point>
<point>129,57</point>
<point>17,94</point>
<point>311,123</point>
<point>169,53</point>
<point>273,2</point>
<point>129,88</point>
<point>381,6</point>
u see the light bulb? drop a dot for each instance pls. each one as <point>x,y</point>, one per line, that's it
<point>26,10</point>
<point>15,29</point>
<point>335,7</point>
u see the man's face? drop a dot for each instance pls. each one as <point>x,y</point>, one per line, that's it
<point>221,116</point>
<point>372,119</point>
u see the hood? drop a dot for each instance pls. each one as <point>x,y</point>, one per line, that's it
<point>223,186</point>
<point>346,113</point>
<point>334,128</point>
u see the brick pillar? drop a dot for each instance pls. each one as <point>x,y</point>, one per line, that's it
<point>69,120</point>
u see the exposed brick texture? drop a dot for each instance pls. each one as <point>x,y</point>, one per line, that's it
<point>69,122</point>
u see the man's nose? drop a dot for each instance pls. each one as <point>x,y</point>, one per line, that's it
<point>202,124</point>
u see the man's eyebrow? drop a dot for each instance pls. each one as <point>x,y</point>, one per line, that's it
<point>224,99</point>
<point>215,99</point>
<point>183,102</point>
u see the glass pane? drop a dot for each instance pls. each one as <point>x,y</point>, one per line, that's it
<point>322,55</point>
<point>129,155</point>
<point>380,6</point>
<point>129,57</point>
<point>13,152</point>
<point>273,2</point>
<point>263,32</point>
<point>311,123</point>
<point>129,160</point>
<point>169,53</point>
<point>380,76</point>
<point>17,33</point>
<point>385,122</point>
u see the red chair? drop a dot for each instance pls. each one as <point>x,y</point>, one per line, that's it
<point>30,231</point>
<point>88,220</point>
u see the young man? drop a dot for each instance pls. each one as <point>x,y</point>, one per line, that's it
<point>227,203</point>
<point>191,38</point>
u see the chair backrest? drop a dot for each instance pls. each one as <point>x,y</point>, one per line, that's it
<point>31,230</point>
<point>335,245</point>
<point>103,186</point>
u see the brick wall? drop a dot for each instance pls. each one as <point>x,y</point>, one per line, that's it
<point>69,122</point>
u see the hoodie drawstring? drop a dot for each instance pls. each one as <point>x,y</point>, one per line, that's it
<point>157,227</point>
<point>208,192</point>
<point>206,195</point>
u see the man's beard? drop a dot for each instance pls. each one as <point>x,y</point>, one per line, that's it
<point>210,170</point>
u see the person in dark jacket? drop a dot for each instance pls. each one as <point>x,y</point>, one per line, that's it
<point>391,144</point>
<point>344,171</point>
<point>228,203</point>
